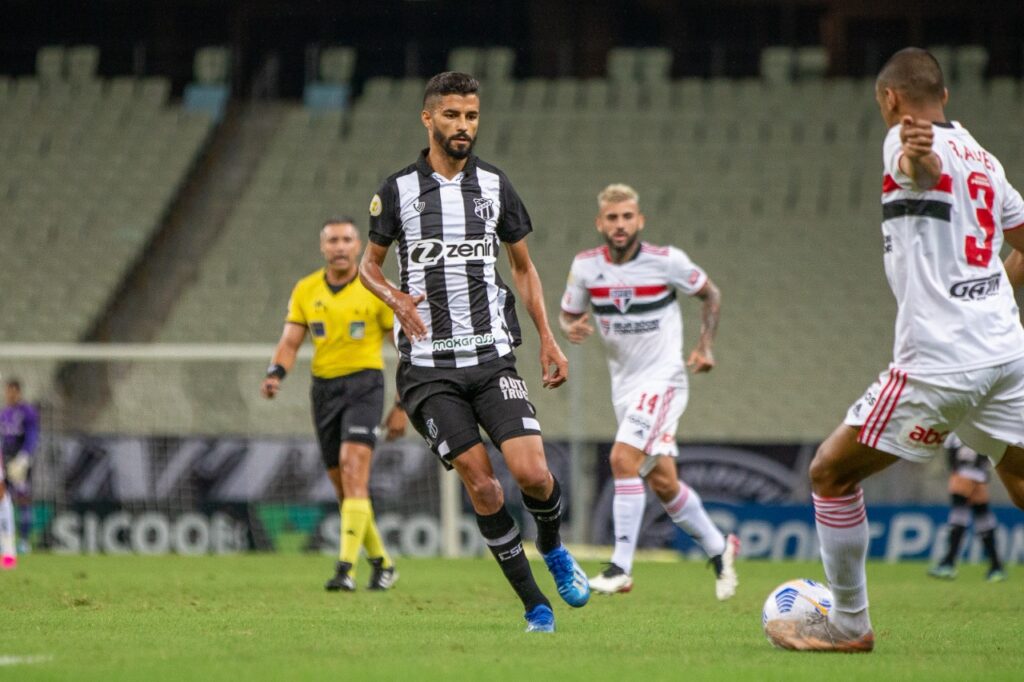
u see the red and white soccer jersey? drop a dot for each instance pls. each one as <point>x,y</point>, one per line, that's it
<point>634,307</point>
<point>956,306</point>
<point>958,355</point>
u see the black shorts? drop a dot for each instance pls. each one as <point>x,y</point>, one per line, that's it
<point>346,408</point>
<point>447,405</point>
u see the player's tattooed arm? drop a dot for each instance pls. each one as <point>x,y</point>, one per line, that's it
<point>702,359</point>
<point>918,160</point>
<point>575,326</point>
<point>554,365</point>
<point>404,305</point>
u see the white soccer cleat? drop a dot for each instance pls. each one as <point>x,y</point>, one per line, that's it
<point>611,580</point>
<point>816,634</point>
<point>726,579</point>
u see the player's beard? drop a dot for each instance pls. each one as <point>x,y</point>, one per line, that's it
<point>620,252</point>
<point>450,149</point>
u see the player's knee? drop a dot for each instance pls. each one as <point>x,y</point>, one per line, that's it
<point>534,481</point>
<point>822,474</point>
<point>663,484</point>
<point>622,465</point>
<point>484,491</point>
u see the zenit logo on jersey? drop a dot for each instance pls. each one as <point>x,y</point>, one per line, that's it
<point>431,251</point>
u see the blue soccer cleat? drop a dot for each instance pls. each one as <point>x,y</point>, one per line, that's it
<point>570,579</point>
<point>540,619</point>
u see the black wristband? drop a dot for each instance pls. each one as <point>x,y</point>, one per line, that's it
<point>277,371</point>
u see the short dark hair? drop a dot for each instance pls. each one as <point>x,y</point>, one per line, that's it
<point>915,73</point>
<point>14,383</point>
<point>450,83</point>
<point>340,220</point>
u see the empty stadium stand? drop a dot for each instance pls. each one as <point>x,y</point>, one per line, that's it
<point>89,168</point>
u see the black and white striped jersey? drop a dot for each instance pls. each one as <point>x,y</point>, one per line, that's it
<point>448,234</point>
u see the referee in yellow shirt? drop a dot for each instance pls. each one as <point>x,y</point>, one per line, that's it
<point>348,325</point>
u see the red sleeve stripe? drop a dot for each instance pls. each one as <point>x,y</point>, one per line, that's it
<point>945,184</point>
<point>605,292</point>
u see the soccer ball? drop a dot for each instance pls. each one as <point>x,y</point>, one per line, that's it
<point>796,600</point>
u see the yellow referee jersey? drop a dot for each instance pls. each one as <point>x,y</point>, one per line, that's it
<point>347,327</point>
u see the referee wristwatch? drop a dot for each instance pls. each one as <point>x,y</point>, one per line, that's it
<point>277,371</point>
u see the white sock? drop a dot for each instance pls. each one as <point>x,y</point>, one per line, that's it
<point>843,531</point>
<point>627,513</point>
<point>687,511</point>
<point>7,546</point>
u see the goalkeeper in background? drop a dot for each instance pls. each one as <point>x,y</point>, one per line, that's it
<point>348,325</point>
<point>19,435</point>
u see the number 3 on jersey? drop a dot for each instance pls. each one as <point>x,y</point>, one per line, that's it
<point>978,253</point>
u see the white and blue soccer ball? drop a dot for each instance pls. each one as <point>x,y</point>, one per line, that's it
<point>796,600</point>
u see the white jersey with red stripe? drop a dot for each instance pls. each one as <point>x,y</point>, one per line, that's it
<point>634,306</point>
<point>956,309</point>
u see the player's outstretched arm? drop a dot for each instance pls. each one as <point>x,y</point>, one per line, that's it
<point>702,359</point>
<point>919,161</point>
<point>554,366</point>
<point>284,358</point>
<point>404,305</point>
<point>575,326</point>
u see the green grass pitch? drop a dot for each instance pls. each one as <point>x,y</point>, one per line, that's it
<point>266,617</point>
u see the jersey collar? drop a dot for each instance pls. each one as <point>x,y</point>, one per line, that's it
<point>608,255</point>
<point>337,289</point>
<point>423,166</point>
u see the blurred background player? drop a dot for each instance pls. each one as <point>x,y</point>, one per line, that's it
<point>632,286</point>
<point>19,436</point>
<point>968,489</point>
<point>958,356</point>
<point>348,325</point>
<point>457,328</point>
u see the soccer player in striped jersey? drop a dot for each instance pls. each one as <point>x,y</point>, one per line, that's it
<point>631,287</point>
<point>959,346</point>
<point>968,491</point>
<point>348,326</point>
<point>456,328</point>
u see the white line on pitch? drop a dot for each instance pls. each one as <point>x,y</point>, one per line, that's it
<point>24,660</point>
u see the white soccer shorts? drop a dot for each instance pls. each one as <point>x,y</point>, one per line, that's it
<point>648,417</point>
<point>910,416</point>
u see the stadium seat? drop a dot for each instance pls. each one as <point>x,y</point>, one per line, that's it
<point>50,63</point>
<point>211,65</point>
<point>82,62</point>
<point>337,64</point>
<point>777,64</point>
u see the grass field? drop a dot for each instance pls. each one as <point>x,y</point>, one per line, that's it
<point>267,618</point>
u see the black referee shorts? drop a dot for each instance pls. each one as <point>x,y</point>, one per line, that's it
<point>346,408</point>
<point>446,405</point>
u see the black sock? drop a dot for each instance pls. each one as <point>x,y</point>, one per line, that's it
<point>502,537</point>
<point>548,515</point>
<point>985,527</point>
<point>959,517</point>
